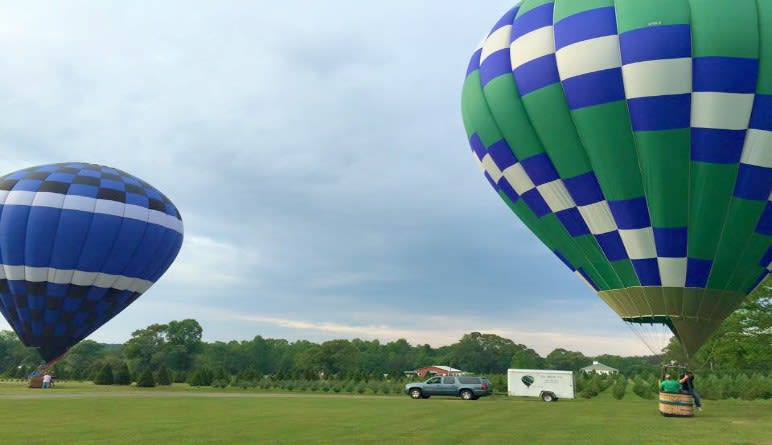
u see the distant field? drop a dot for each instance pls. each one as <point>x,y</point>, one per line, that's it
<point>76,413</point>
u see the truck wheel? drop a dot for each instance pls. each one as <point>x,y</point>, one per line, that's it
<point>467,395</point>
<point>548,396</point>
<point>415,393</point>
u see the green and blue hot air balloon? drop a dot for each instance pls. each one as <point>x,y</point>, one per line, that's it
<point>634,138</point>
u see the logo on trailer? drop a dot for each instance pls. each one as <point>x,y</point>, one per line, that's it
<point>527,380</point>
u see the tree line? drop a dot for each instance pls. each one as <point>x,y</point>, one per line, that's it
<point>743,344</point>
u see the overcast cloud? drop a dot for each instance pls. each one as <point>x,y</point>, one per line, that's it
<point>317,154</point>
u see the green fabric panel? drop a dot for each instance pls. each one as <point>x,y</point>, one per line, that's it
<point>605,132</point>
<point>624,269</point>
<point>665,161</point>
<point>712,186</point>
<point>527,5</point>
<point>565,8</point>
<point>528,218</point>
<point>504,100</point>
<point>590,247</point>
<point>548,110</point>
<point>651,301</point>
<point>612,302</point>
<point>724,28</point>
<point>692,299</point>
<point>764,85</point>
<point>473,101</point>
<point>748,267</point>
<point>733,251</point>
<point>751,279</point>
<point>634,14</point>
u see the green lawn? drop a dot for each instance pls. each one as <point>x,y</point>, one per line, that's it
<point>87,414</point>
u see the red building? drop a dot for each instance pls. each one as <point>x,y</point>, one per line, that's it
<point>436,370</point>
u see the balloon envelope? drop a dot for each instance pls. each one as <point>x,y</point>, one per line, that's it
<point>78,243</point>
<point>634,138</point>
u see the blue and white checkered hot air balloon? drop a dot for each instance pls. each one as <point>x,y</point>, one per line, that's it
<point>78,244</point>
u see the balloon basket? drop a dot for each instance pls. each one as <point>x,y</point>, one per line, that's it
<point>676,405</point>
<point>36,381</point>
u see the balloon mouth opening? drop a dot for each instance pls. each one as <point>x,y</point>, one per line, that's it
<point>653,320</point>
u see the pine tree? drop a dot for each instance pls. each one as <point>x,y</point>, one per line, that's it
<point>146,379</point>
<point>105,375</point>
<point>162,377</point>
<point>122,375</point>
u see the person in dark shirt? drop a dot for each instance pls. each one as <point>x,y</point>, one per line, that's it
<point>687,386</point>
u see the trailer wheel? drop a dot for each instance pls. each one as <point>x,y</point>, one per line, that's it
<point>548,396</point>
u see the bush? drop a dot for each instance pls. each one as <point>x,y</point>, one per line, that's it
<point>146,379</point>
<point>618,391</point>
<point>105,375</point>
<point>219,383</point>
<point>201,377</point>
<point>162,377</point>
<point>122,375</point>
<point>711,388</point>
<point>642,388</point>
<point>361,388</point>
<point>180,377</point>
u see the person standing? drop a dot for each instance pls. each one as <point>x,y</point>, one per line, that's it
<point>687,386</point>
<point>46,380</point>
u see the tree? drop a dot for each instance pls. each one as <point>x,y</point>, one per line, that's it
<point>568,360</point>
<point>82,358</point>
<point>527,358</point>
<point>485,353</point>
<point>146,379</point>
<point>183,340</point>
<point>146,348</point>
<point>162,377</point>
<point>122,375</point>
<point>201,377</point>
<point>105,376</point>
<point>332,357</point>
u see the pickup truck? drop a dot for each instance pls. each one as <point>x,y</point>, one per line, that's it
<point>466,387</point>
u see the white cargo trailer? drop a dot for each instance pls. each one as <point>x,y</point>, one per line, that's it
<point>546,384</point>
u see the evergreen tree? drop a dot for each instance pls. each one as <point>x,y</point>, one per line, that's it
<point>146,379</point>
<point>162,377</point>
<point>122,375</point>
<point>105,375</point>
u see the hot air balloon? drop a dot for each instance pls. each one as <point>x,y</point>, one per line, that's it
<point>634,138</point>
<point>78,244</point>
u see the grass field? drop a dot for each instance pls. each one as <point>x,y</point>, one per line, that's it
<point>78,413</point>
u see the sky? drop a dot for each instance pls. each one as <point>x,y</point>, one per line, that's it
<point>317,155</point>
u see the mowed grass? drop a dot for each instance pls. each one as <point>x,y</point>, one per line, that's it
<point>86,414</point>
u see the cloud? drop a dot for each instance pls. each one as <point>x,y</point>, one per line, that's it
<point>316,153</point>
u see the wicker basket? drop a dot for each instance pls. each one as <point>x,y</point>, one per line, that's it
<point>676,405</point>
<point>36,381</point>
